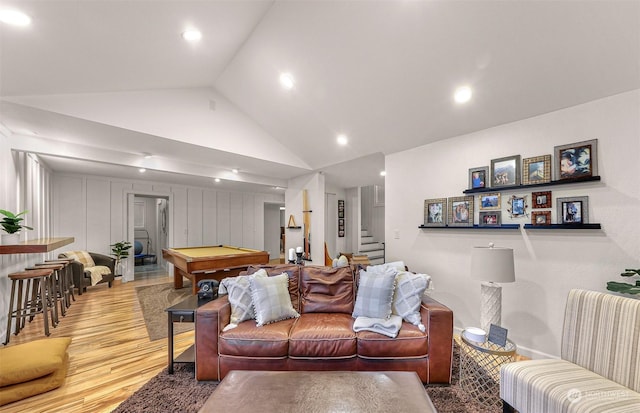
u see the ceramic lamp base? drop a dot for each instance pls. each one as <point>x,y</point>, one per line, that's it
<point>491,305</point>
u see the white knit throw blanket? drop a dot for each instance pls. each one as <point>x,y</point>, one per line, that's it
<point>389,327</point>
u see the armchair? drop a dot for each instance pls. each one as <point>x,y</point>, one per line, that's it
<point>90,268</point>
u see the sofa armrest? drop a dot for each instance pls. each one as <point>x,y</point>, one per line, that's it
<point>211,318</point>
<point>104,260</point>
<point>438,320</point>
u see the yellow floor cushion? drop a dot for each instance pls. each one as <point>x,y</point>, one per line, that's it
<point>32,368</point>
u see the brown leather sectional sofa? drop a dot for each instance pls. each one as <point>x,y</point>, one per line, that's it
<point>322,338</point>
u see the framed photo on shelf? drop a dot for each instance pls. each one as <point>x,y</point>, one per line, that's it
<point>460,211</point>
<point>573,210</point>
<point>489,200</point>
<point>536,170</point>
<point>478,177</point>
<point>576,160</point>
<point>541,218</point>
<point>435,212</point>
<point>490,218</point>
<point>517,206</point>
<point>505,171</point>
<point>541,200</point>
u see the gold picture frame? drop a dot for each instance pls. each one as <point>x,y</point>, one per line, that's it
<point>536,170</point>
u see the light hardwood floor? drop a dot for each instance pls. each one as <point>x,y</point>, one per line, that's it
<point>111,355</point>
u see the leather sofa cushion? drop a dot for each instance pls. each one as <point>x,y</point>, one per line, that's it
<point>271,340</point>
<point>410,343</point>
<point>323,335</point>
<point>326,290</point>
<point>292,270</point>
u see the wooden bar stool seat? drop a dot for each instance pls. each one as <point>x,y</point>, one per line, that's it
<point>68,270</point>
<point>27,308</point>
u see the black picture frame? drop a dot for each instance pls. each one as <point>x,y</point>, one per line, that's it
<point>505,171</point>
<point>479,177</point>
<point>576,160</point>
<point>573,210</point>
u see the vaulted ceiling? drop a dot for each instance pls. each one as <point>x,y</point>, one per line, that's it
<point>92,86</point>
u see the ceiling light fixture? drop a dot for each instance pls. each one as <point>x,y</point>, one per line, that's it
<point>286,80</point>
<point>463,94</point>
<point>142,170</point>
<point>192,35</point>
<point>217,179</point>
<point>383,173</point>
<point>14,18</point>
<point>235,171</point>
<point>342,139</point>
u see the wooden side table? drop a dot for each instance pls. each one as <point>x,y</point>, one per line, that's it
<point>480,369</point>
<point>183,312</point>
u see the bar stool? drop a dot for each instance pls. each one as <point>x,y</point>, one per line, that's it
<point>51,299</point>
<point>28,308</point>
<point>58,278</point>
<point>68,271</point>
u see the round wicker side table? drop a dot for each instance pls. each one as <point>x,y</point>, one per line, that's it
<point>480,369</point>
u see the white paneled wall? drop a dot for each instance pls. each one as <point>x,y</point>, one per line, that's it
<point>24,185</point>
<point>93,210</point>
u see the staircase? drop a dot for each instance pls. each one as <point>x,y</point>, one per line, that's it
<point>373,249</point>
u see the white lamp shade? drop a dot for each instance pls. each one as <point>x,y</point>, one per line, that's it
<point>492,264</point>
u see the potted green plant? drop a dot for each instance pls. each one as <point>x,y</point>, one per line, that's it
<point>120,250</point>
<point>11,223</point>
<point>626,287</point>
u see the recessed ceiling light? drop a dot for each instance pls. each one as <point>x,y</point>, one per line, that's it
<point>383,173</point>
<point>342,139</point>
<point>217,179</point>
<point>192,35</point>
<point>286,80</point>
<point>463,94</point>
<point>14,18</point>
<point>142,170</point>
<point>235,171</point>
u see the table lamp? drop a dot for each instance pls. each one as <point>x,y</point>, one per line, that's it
<point>492,265</point>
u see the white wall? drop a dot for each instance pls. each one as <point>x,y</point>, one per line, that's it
<point>200,216</point>
<point>24,185</point>
<point>548,263</point>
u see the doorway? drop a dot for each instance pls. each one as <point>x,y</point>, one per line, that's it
<point>274,231</point>
<point>148,229</point>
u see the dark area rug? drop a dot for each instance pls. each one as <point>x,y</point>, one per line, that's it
<point>154,300</point>
<point>180,392</point>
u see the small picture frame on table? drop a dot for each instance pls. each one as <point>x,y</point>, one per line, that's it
<point>540,200</point>
<point>435,212</point>
<point>489,201</point>
<point>478,177</point>
<point>490,219</point>
<point>536,170</point>
<point>505,171</point>
<point>460,211</point>
<point>541,218</point>
<point>573,210</point>
<point>576,160</point>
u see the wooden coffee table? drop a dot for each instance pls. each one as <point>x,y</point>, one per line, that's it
<point>319,391</point>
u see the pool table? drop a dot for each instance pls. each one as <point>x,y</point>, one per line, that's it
<point>210,262</point>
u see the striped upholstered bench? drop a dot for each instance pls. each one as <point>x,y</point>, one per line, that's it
<point>599,369</point>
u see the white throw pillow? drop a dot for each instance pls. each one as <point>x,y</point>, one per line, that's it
<point>407,297</point>
<point>271,299</point>
<point>239,291</point>
<point>375,293</point>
